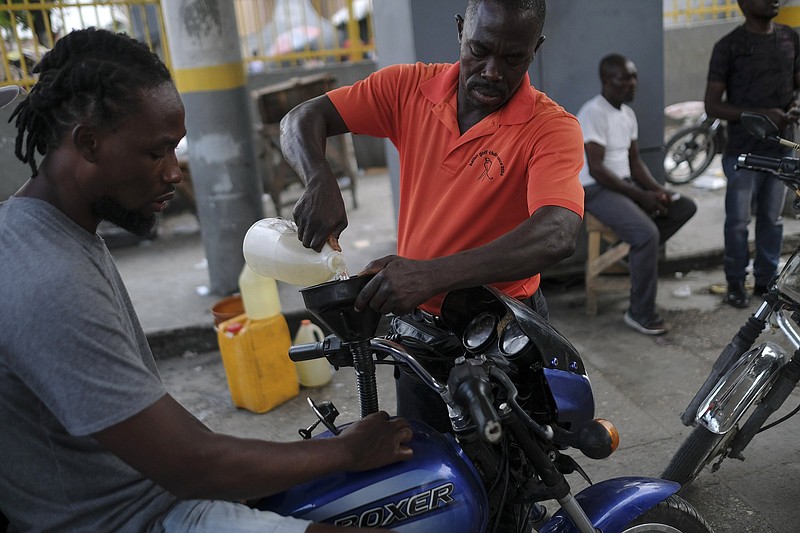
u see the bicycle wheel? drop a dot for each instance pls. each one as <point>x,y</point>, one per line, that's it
<point>688,153</point>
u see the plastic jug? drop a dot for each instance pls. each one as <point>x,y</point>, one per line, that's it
<point>259,294</point>
<point>271,248</point>
<point>255,354</point>
<point>316,372</point>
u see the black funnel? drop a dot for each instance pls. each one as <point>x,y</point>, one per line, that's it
<point>332,303</point>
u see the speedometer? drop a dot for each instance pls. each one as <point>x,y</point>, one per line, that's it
<point>513,340</point>
<point>480,331</point>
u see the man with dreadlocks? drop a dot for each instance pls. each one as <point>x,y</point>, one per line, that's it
<point>489,189</point>
<point>91,440</point>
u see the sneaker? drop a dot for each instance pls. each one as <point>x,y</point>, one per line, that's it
<point>653,326</point>
<point>737,296</point>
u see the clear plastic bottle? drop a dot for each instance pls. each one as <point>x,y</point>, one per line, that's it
<point>316,372</point>
<point>259,294</point>
<point>271,248</point>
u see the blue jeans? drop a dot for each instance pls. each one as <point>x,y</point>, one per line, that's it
<point>759,191</point>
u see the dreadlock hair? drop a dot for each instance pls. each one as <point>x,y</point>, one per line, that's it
<point>90,75</point>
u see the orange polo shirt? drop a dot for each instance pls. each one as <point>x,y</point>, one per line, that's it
<point>459,192</point>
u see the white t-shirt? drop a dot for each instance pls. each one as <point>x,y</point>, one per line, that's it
<point>614,129</point>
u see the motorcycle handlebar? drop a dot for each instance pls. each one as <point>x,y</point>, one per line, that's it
<point>307,352</point>
<point>471,390</point>
<point>474,393</point>
<point>784,166</point>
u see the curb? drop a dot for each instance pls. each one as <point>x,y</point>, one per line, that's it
<point>203,338</point>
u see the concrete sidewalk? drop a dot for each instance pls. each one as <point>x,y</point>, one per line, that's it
<point>640,383</point>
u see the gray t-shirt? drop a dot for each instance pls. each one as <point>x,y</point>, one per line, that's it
<point>73,361</point>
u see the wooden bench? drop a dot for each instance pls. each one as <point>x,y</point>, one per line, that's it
<point>605,271</point>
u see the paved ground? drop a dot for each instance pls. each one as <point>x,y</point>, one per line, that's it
<point>640,383</point>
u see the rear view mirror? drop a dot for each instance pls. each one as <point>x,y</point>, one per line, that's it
<point>759,125</point>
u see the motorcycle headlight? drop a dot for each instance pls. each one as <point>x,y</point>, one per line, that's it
<point>789,278</point>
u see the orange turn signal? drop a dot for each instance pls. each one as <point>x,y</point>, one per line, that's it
<point>598,438</point>
<point>612,431</point>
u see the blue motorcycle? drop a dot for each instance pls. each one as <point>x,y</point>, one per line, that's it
<point>518,397</point>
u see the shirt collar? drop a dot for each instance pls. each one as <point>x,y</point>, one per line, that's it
<point>518,110</point>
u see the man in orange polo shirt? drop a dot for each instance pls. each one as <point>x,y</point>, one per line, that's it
<point>489,189</point>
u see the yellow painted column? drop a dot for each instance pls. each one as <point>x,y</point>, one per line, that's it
<point>789,14</point>
<point>210,75</point>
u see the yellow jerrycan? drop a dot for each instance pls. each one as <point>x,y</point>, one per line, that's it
<point>255,348</point>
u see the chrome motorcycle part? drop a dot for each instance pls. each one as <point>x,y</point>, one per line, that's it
<point>743,385</point>
<point>698,449</point>
<point>787,329</point>
<point>781,389</point>
<point>789,279</point>
<point>760,378</point>
<point>746,382</point>
<point>740,343</point>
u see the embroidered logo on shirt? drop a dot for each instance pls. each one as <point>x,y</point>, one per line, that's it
<point>489,163</point>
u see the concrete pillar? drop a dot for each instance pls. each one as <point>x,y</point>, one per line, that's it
<point>790,13</point>
<point>210,75</point>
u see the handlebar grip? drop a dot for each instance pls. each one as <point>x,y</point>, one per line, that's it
<point>307,352</point>
<point>785,167</point>
<point>476,394</point>
<point>760,161</point>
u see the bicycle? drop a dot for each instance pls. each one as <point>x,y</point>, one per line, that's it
<point>689,151</point>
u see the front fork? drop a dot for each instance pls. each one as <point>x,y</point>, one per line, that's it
<point>785,383</point>
<point>741,342</point>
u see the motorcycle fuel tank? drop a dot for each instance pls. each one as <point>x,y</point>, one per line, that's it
<point>438,490</point>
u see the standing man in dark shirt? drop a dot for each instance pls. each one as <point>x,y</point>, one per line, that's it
<point>757,69</point>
